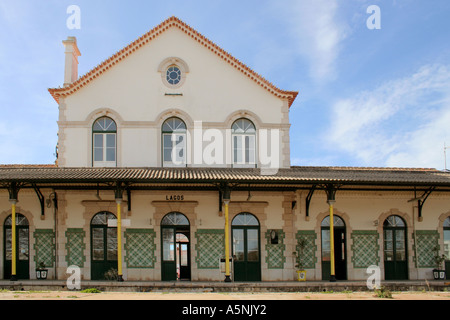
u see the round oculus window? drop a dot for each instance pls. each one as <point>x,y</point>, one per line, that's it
<point>173,75</point>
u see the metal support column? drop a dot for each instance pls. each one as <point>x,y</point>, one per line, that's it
<point>226,202</point>
<point>13,195</point>
<point>331,199</point>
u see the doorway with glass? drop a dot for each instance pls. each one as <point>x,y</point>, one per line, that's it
<point>246,248</point>
<point>175,235</point>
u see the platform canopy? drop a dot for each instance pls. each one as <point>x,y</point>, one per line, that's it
<point>187,178</point>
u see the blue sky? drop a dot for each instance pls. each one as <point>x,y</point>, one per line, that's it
<point>370,98</point>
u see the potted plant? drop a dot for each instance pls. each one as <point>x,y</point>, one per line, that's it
<point>301,272</point>
<point>439,271</point>
<point>111,274</point>
<point>41,272</point>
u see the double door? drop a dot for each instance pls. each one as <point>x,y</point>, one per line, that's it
<point>22,248</point>
<point>246,254</point>
<point>104,252</point>
<point>103,247</point>
<point>395,255</point>
<point>22,253</point>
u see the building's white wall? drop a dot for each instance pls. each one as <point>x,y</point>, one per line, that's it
<point>74,149</point>
<point>213,88</point>
<point>141,151</point>
<point>132,92</point>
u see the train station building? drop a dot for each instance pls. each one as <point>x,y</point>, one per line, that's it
<point>174,164</point>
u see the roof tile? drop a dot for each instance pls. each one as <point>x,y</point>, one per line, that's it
<point>299,175</point>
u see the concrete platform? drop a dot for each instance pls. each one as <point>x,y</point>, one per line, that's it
<point>187,286</point>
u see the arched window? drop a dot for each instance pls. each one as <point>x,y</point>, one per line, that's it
<point>175,219</point>
<point>21,221</point>
<point>337,221</point>
<point>243,133</point>
<point>245,219</point>
<point>104,136</point>
<point>394,222</point>
<point>174,142</point>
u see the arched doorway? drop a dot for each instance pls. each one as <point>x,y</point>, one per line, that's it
<point>175,247</point>
<point>395,253</point>
<point>340,248</point>
<point>447,246</point>
<point>103,245</point>
<point>246,248</point>
<point>22,245</point>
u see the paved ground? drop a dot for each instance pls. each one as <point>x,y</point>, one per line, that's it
<point>76,295</point>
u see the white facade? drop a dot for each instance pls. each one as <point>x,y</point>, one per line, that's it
<point>215,91</point>
<point>118,112</point>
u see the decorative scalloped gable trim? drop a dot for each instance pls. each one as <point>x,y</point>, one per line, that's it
<point>151,35</point>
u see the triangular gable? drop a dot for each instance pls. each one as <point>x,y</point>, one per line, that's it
<point>152,34</point>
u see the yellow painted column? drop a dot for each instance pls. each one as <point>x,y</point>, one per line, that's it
<point>119,240</point>
<point>227,243</point>
<point>13,240</point>
<point>332,259</point>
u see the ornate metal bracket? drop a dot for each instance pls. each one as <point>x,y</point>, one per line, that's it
<point>308,199</point>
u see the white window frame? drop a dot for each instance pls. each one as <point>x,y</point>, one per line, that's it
<point>175,146</point>
<point>105,133</point>
<point>245,137</point>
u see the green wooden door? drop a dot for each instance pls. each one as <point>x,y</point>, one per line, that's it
<point>395,253</point>
<point>22,248</point>
<point>168,264</point>
<point>247,265</point>
<point>246,248</point>
<point>103,246</point>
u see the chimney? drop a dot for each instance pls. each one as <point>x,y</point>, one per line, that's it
<point>71,63</point>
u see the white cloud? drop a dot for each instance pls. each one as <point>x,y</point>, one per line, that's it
<point>318,32</point>
<point>425,146</point>
<point>403,122</point>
